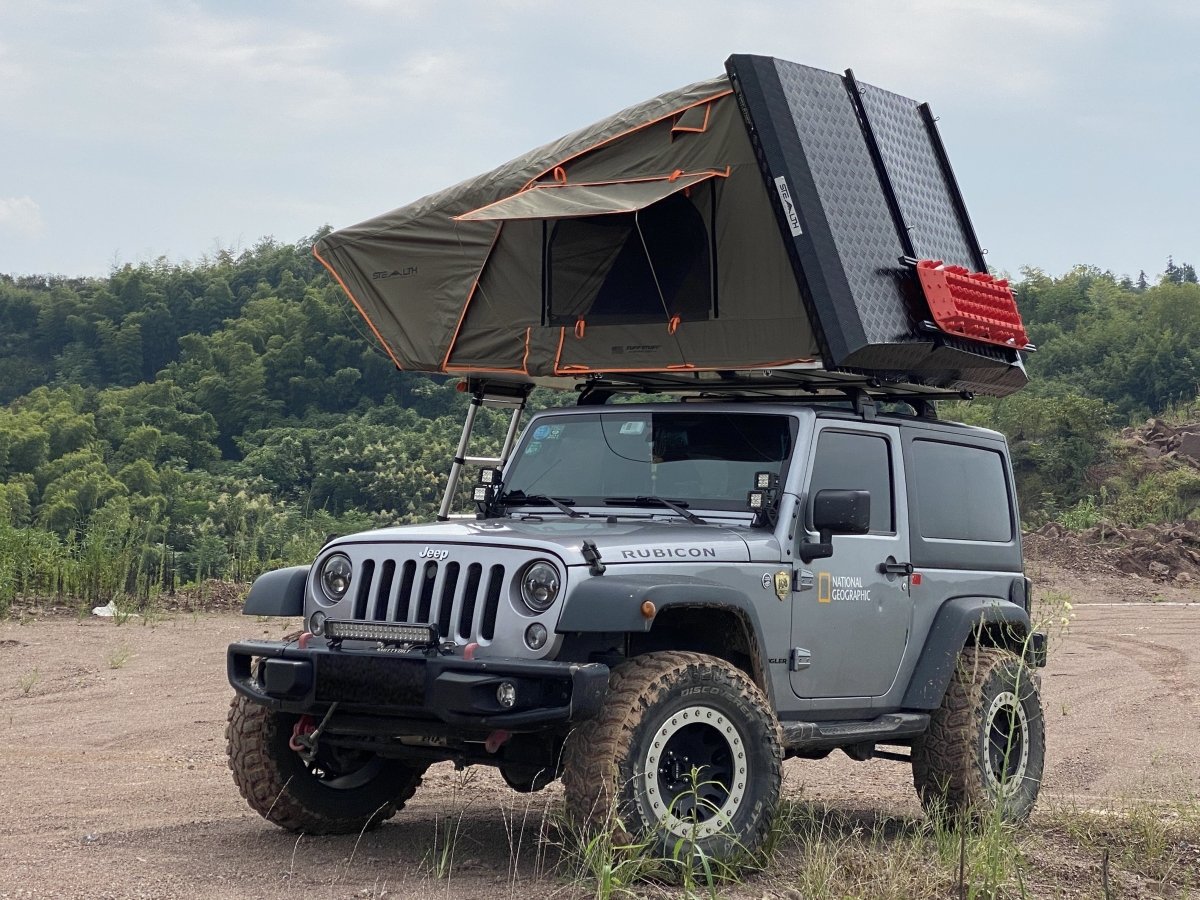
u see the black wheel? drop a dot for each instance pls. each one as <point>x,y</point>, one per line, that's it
<point>685,749</point>
<point>343,791</point>
<point>986,744</point>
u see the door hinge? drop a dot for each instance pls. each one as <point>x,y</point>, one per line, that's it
<point>800,659</point>
<point>803,580</point>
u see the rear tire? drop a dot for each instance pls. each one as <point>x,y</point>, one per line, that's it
<point>343,793</point>
<point>629,769</point>
<point>985,748</point>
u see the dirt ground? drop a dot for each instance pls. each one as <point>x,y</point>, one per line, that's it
<point>115,781</point>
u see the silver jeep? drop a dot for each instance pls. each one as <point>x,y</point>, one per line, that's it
<point>660,603</point>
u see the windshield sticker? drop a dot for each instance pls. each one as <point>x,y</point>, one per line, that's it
<point>634,427</point>
<point>533,448</point>
<point>541,432</point>
<point>555,432</point>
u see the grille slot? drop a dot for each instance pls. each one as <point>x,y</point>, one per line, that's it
<point>492,603</point>
<point>425,604</point>
<point>385,589</point>
<point>466,619</point>
<point>364,589</point>
<point>446,598</point>
<point>399,610</point>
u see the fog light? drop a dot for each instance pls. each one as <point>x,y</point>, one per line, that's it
<point>506,694</point>
<point>316,624</point>
<point>535,636</point>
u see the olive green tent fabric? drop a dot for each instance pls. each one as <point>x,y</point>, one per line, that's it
<point>645,242</point>
<point>563,201</point>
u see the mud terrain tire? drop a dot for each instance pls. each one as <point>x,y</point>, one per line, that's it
<point>629,769</point>
<point>279,786</point>
<point>986,745</point>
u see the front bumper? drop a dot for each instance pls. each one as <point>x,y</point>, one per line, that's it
<point>416,685</point>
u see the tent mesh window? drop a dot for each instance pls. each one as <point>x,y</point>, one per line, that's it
<point>627,268</point>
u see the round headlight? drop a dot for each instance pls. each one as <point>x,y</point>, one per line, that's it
<point>335,577</point>
<point>539,586</point>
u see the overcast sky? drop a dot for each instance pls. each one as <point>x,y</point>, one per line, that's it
<point>146,128</point>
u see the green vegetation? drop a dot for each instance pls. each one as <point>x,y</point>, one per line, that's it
<point>171,423</point>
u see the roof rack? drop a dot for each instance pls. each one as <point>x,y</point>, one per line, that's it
<point>795,385</point>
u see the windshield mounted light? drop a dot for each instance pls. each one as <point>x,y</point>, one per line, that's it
<point>490,477</point>
<point>483,494</point>
<point>539,586</point>
<point>765,481</point>
<point>335,576</point>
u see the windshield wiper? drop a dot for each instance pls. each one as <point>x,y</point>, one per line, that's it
<point>563,503</point>
<point>646,500</point>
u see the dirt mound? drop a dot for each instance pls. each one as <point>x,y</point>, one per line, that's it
<point>1162,552</point>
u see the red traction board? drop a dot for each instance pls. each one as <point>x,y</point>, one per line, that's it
<point>972,304</point>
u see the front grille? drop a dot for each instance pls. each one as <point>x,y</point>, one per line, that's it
<point>461,600</point>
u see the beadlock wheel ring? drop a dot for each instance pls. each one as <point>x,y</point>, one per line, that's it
<point>703,738</point>
<point>1006,727</point>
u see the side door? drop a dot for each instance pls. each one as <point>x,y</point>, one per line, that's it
<point>850,617</point>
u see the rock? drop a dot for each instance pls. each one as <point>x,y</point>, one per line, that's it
<point>1189,446</point>
<point>1158,570</point>
<point>1184,578</point>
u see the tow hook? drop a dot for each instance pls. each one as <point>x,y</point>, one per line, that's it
<point>496,740</point>
<point>305,737</point>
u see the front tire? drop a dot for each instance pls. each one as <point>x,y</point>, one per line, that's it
<point>342,793</point>
<point>985,748</point>
<point>630,770</point>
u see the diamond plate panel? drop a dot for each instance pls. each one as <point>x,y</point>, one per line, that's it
<point>856,209</point>
<point>917,178</point>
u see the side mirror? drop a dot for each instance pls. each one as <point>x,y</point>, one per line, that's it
<point>836,512</point>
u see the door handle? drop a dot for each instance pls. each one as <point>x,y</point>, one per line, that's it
<point>891,567</point>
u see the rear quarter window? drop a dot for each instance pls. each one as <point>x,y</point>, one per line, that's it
<point>962,493</point>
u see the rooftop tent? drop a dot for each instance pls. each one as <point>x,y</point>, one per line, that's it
<point>754,221</point>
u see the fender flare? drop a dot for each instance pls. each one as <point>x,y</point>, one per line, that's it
<point>614,603</point>
<point>277,593</point>
<point>953,625</point>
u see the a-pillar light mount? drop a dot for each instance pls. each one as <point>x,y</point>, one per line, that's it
<point>763,499</point>
<point>486,490</point>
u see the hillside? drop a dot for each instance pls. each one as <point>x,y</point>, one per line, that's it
<point>175,422</point>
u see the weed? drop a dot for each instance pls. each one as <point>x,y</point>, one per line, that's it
<point>447,828</point>
<point>27,681</point>
<point>119,656</point>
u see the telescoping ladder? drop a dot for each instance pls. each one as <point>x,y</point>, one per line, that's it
<point>494,394</point>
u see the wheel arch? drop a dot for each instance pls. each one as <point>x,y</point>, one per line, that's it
<point>689,613</point>
<point>963,622</point>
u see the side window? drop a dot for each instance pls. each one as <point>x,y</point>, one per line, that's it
<point>962,493</point>
<point>856,462</point>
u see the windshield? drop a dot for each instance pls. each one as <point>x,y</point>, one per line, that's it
<point>702,459</point>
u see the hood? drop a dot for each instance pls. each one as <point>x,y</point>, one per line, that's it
<point>623,541</point>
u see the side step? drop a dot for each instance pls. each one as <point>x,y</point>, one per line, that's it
<point>831,735</point>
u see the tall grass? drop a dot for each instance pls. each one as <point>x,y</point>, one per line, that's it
<point>132,557</point>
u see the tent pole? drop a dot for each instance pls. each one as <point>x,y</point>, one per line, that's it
<point>510,438</point>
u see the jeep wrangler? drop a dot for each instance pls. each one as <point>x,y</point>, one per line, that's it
<point>660,603</point>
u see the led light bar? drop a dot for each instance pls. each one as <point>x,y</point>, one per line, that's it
<point>387,632</point>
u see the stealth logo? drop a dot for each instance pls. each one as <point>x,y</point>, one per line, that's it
<point>789,206</point>
<point>408,272</point>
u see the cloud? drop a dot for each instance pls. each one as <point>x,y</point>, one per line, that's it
<point>21,216</point>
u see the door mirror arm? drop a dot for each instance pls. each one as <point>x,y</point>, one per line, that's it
<point>809,551</point>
